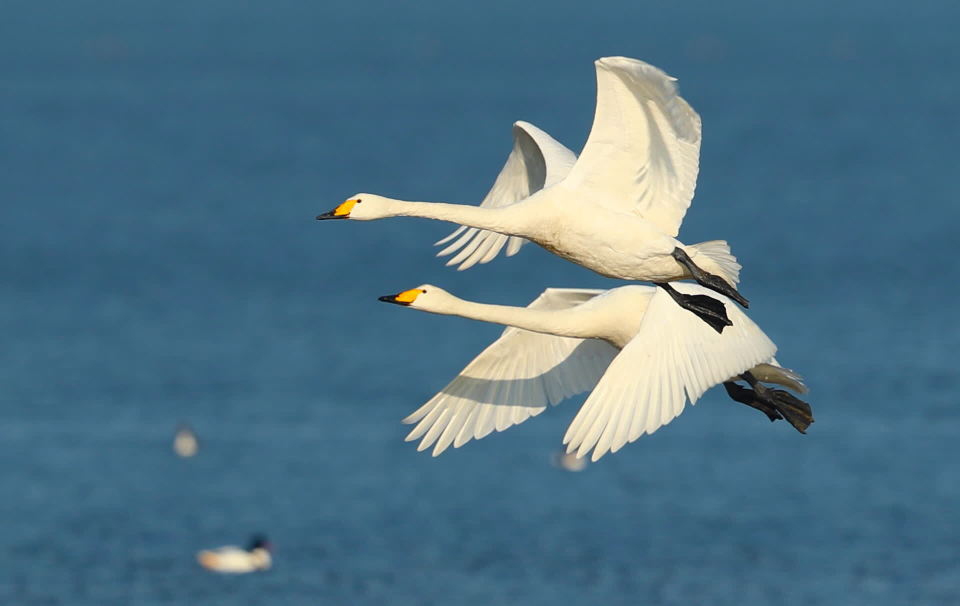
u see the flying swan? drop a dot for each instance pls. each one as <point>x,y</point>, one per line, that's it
<point>641,355</point>
<point>615,210</point>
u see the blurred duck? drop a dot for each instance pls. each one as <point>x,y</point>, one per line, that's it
<point>232,559</point>
<point>185,444</point>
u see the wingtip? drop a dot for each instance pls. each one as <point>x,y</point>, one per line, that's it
<point>615,60</point>
<point>620,62</point>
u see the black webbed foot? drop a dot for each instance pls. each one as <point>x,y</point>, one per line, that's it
<point>708,280</point>
<point>749,397</point>
<point>794,410</point>
<point>797,412</point>
<point>706,308</point>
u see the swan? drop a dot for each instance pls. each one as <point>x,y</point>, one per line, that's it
<point>616,209</point>
<point>236,560</point>
<point>642,356</point>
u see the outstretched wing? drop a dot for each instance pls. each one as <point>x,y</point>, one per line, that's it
<point>643,152</point>
<point>537,161</point>
<point>512,380</point>
<point>675,356</point>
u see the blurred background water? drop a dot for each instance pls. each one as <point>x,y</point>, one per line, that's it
<point>160,167</point>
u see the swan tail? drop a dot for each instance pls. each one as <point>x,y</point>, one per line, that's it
<point>719,260</point>
<point>771,373</point>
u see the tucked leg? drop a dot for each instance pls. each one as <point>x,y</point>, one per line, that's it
<point>749,397</point>
<point>711,281</point>
<point>794,410</point>
<point>706,308</point>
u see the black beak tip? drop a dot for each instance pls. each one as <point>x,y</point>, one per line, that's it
<point>330,215</point>
<point>391,299</point>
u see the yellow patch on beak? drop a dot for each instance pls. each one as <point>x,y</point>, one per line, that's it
<point>408,296</point>
<point>344,209</point>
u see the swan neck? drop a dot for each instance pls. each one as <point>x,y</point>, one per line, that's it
<point>548,322</point>
<point>492,219</point>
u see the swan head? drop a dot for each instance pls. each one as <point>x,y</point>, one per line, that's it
<point>426,297</point>
<point>361,207</point>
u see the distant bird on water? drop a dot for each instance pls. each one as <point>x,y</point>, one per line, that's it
<point>568,461</point>
<point>235,560</point>
<point>185,443</point>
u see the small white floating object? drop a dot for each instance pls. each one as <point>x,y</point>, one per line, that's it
<point>568,461</point>
<point>236,560</point>
<point>185,444</point>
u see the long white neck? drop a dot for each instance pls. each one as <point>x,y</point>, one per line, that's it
<point>562,323</point>
<point>501,220</point>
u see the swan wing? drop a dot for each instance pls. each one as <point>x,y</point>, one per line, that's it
<point>643,152</point>
<point>513,379</point>
<point>675,356</point>
<point>537,161</point>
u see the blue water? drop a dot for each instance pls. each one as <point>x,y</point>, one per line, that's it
<point>160,167</point>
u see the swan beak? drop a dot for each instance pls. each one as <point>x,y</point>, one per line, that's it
<point>404,298</point>
<point>340,212</point>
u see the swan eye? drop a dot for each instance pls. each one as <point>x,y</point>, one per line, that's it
<point>423,291</point>
<point>359,200</point>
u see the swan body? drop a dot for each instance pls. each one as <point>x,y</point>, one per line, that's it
<point>642,356</point>
<point>615,210</point>
<point>237,560</point>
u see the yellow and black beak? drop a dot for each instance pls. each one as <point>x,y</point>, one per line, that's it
<point>340,212</point>
<point>404,298</point>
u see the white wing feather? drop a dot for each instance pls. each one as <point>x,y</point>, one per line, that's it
<point>537,161</point>
<point>675,356</point>
<point>643,152</point>
<point>513,379</point>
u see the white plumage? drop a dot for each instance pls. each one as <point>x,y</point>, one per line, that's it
<point>616,210</point>
<point>237,560</point>
<point>643,357</point>
<point>537,161</point>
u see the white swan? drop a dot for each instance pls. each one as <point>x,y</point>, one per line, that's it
<point>617,210</point>
<point>642,356</point>
<point>236,560</point>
